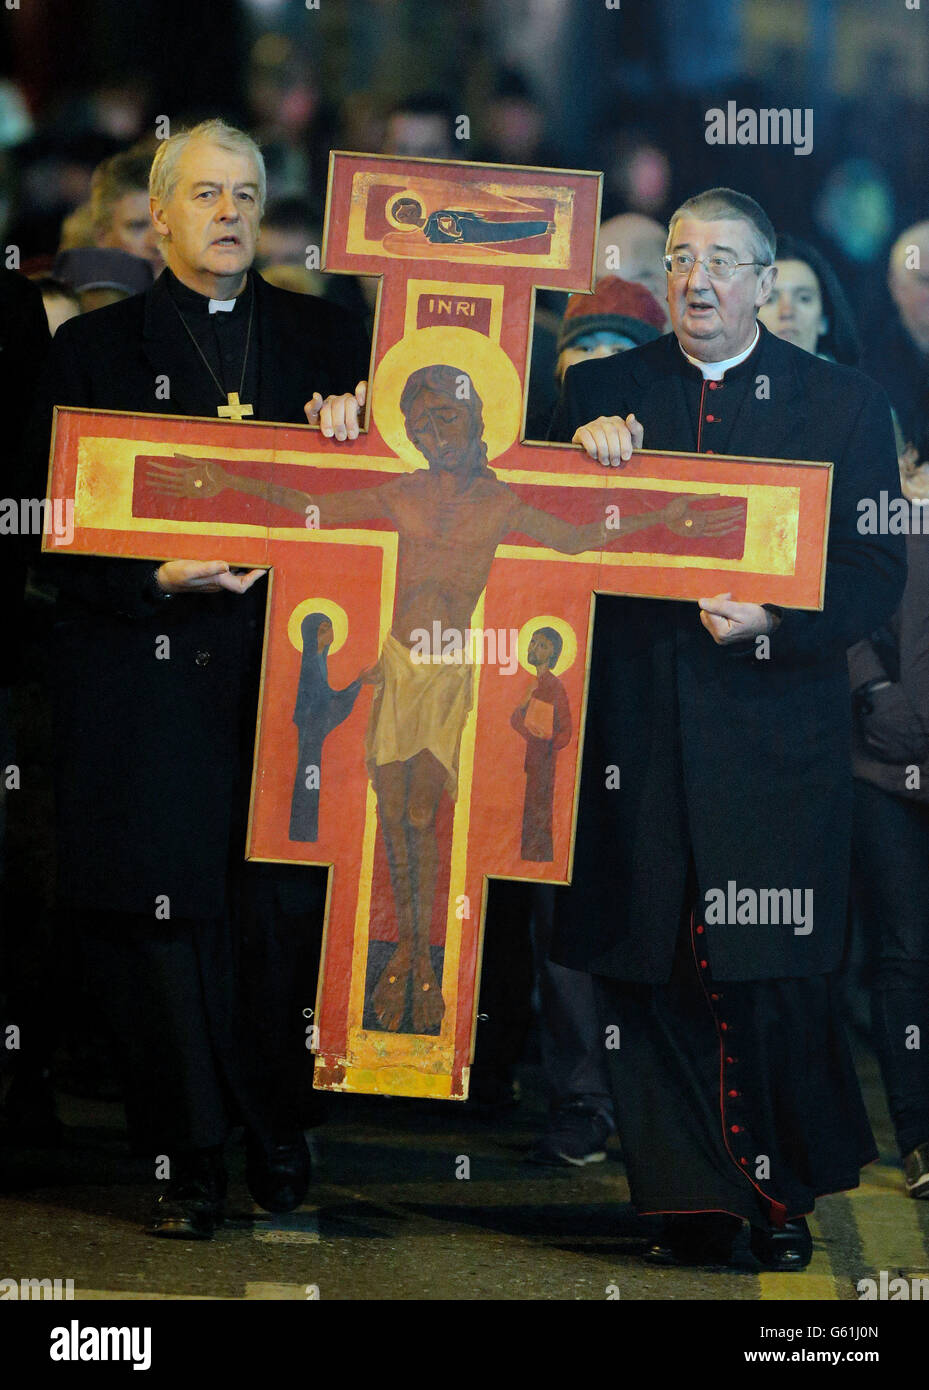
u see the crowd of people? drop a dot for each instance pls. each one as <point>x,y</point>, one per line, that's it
<point>808,770</point>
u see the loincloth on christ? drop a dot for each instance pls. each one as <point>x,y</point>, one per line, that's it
<point>418,705</point>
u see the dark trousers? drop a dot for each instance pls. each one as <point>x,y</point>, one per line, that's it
<point>574,1062</point>
<point>890,886</point>
<point>517,937</point>
<point>210,1015</point>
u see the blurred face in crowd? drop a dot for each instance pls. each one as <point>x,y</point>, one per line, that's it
<point>420,134</point>
<point>286,245</point>
<point>914,474</point>
<point>131,229</point>
<point>714,319</point>
<point>514,125</point>
<point>794,310</point>
<point>909,282</point>
<point>601,344</point>
<point>632,246</point>
<point>209,225</point>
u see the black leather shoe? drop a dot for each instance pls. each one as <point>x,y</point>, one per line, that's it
<point>700,1238</point>
<point>278,1177</point>
<point>788,1249</point>
<point>916,1171</point>
<point>191,1206</point>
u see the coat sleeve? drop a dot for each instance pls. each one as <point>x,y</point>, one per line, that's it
<point>575,403</point>
<point>893,724</point>
<point>865,574</point>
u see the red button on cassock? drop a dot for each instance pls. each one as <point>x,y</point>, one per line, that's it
<point>733,1094</point>
<point>724,1027</point>
<point>699,931</point>
<point>703,965</point>
<point>735,1129</point>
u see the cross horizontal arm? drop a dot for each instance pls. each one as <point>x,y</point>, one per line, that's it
<point>204,478</point>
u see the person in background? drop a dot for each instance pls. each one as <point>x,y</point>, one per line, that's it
<point>102,276</point>
<point>290,232</point>
<point>24,1001</point>
<point>632,245</point>
<point>896,353</point>
<point>119,206</point>
<point>808,307</point>
<point>889,675</point>
<point>77,229</point>
<point>618,315</point>
<point>513,125</point>
<point>422,126</point>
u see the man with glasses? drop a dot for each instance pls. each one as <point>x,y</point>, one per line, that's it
<point>734,1090</point>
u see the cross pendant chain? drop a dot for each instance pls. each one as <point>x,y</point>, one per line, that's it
<point>234,409</point>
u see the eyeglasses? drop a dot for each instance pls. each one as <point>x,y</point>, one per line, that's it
<point>717,267</point>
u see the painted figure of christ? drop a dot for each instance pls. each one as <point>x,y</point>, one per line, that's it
<point>450,518</point>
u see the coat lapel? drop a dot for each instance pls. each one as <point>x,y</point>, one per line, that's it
<point>170,353</point>
<point>274,349</point>
<point>773,413</point>
<point>662,404</point>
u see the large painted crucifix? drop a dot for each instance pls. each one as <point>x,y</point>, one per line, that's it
<point>431,591</point>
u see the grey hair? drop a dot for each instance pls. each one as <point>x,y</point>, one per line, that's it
<point>727,203</point>
<point>163,177</point>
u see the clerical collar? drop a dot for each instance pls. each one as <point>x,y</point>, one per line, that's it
<point>192,301</point>
<point>715,371</point>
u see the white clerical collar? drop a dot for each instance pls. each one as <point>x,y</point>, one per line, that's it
<point>715,371</point>
<point>222,306</point>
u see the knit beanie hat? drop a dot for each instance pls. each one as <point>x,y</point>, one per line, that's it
<point>616,306</point>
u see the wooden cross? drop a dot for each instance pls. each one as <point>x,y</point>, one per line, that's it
<point>404,737</point>
<point>233,411</point>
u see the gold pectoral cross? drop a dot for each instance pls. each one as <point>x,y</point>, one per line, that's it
<point>234,410</point>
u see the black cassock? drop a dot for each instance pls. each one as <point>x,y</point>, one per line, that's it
<point>154,757</point>
<point>733,1083</point>
<point>318,710</point>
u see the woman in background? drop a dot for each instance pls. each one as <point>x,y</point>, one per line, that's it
<point>808,306</point>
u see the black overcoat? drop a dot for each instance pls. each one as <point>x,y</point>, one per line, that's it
<point>154,756</point>
<point>742,762</point>
<point>24,344</point>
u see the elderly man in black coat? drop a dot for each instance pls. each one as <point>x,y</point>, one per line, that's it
<point>204,964</point>
<point>709,888</point>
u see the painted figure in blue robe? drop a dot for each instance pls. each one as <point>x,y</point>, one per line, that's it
<point>453,225</point>
<point>318,710</point>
